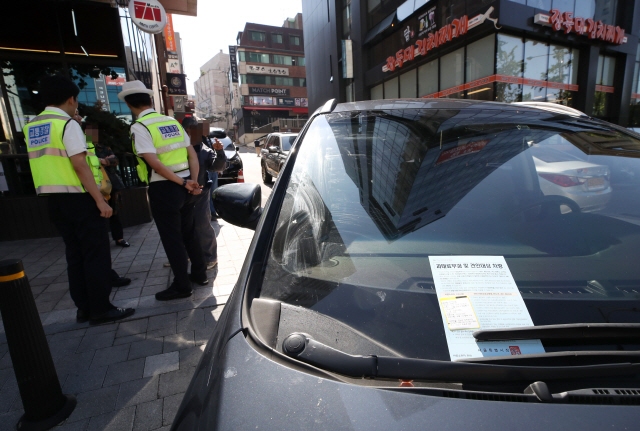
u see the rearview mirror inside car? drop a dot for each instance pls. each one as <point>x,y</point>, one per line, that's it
<point>239,204</point>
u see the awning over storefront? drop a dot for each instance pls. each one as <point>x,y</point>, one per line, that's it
<point>300,110</point>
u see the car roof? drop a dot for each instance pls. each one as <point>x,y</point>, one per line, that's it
<point>283,134</point>
<point>390,104</point>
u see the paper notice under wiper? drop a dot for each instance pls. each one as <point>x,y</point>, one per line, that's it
<point>478,292</point>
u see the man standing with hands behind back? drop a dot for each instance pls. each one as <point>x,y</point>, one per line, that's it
<point>168,162</point>
<point>64,170</point>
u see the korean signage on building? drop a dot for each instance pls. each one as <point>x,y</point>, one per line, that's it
<point>566,22</point>
<point>269,91</point>
<point>148,15</point>
<point>433,37</point>
<point>169,35</point>
<point>101,94</point>
<point>233,52</point>
<point>119,81</point>
<point>268,70</point>
<point>177,84</point>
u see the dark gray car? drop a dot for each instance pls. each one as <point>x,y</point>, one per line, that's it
<point>337,322</point>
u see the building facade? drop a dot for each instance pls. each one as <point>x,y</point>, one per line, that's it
<point>271,76</point>
<point>579,53</point>
<point>212,98</point>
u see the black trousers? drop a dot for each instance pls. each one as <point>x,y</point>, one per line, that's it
<point>86,238</point>
<point>117,232</point>
<point>173,211</point>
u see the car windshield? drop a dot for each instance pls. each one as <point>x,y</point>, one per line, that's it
<point>228,144</point>
<point>373,195</point>
<point>287,141</point>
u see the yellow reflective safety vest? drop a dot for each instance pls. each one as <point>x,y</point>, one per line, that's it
<point>168,139</point>
<point>50,164</point>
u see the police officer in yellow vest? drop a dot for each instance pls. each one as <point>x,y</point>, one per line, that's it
<point>64,170</point>
<point>168,162</point>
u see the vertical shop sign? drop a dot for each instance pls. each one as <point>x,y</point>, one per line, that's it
<point>347,59</point>
<point>169,35</point>
<point>101,93</point>
<point>234,64</point>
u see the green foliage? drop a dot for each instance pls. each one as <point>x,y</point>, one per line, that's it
<point>113,131</point>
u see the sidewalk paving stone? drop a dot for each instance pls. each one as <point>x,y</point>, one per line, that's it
<point>85,381</point>
<point>179,341</point>
<point>124,371</point>
<point>110,355</point>
<point>119,420</point>
<point>148,347</point>
<point>163,363</point>
<point>148,416</point>
<point>132,327</point>
<point>138,391</point>
<point>94,403</point>
<point>175,382</point>
<point>170,408</point>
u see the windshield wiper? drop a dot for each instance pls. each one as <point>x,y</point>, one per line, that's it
<point>306,349</point>
<point>609,333</point>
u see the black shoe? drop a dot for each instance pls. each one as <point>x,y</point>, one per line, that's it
<point>82,316</point>
<point>123,243</point>
<point>201,282</point>
<point>169,294</point>
<point>111,315</point>
<point>121,281</point>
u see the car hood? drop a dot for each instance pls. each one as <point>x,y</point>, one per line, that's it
<point>253,392</point>
<point>230,154</point>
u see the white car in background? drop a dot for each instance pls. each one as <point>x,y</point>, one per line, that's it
<point>560,174</point>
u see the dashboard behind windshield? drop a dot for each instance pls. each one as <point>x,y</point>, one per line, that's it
<point>373,194</point>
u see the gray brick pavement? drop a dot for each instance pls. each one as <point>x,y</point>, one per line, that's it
<point>128,375</point>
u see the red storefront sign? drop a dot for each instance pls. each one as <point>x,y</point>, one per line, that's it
<point>566,22</point>
<point>457,28</point>
<point>605,88</point>
<point>509,80</point>
<point>461,150</point>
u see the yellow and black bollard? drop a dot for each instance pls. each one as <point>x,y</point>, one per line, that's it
<point>44,404</point>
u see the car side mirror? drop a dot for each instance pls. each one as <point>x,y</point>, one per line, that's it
<point>237,148</point>
<point>239,204</point>
<point>273,149</point>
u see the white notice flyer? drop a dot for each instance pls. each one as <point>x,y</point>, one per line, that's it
<point>478,292</point>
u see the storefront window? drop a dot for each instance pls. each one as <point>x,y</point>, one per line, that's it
<point>452,71</point>
<point>377,92</point>
<point>391,89</point>
<point>509,61</point>
<point>480,58</point>
<point>604,88</point>
<point>634,114</point>
<point>408,84</point>
<point>428,79</point>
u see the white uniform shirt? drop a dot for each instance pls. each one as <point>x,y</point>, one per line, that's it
<point>73,137</point>
<point>144,144</point>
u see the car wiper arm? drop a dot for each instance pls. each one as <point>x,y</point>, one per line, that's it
<point>306,349</point>
<point>610,333</point>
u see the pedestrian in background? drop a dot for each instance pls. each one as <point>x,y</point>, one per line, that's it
<point>63,169</point>
<point>109,160</point>
<point>257,144</point>
<point>211,157</point>
<point>168,162</point>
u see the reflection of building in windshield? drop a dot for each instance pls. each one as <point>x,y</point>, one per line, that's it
<point>408,177</point>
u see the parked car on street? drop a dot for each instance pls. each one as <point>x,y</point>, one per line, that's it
<point>274,153</point>
<point>411,270</point>
<point>233,166</point>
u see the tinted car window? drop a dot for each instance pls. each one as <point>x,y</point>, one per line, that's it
<point>287,141</point>
<point>228,144</point>
<point>373,194</point>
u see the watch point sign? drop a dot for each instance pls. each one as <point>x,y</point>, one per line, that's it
<point>148,15</point>
<point>565,21</point>
<point>458,27</point>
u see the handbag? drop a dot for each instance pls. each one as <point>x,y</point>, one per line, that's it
<point>105,184</point>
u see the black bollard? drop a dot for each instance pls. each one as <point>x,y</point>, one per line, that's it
<point>44,404</point>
